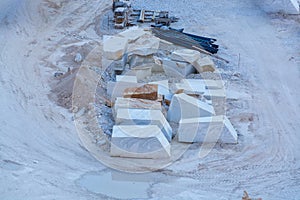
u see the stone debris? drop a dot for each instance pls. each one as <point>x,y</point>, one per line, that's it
<point>139,141</point>
<point>78,58</point>
<point>147,91</point>
<point>144,117</point>
<point>184,106</point>
<point>207,130</point>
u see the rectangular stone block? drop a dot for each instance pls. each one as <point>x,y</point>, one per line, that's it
<point>116,89</point>
<point>184,106</point>
<point>114,47</point>
<point>186,55</point>
<point>126,78</point>
<point>136,104</point>
<point>207,130</point>
<point>163,87</point>
<point>177,69</point>
<point>204,65</point>
<point>135,141</point>
<point>142,72</point>
<point>144,117</point>
<point>148,91</point>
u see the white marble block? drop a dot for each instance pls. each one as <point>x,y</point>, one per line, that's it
<point>177,69</point>
<point>144,117</point>
<point>207,130</point>
<point>136,104</point>
<point>126,78</point>
<point>114,47</point>
<point>135,141</point>
<point>184,106</point>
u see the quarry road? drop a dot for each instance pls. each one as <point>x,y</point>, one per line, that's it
<point>41,156</point>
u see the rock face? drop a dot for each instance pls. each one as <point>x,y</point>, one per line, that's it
<point>204,65</point>
<point>186,55</point>
<point>177,68</point>
<point>207,130</point>
<point>136,104</point>
<point>148,91</point>
<point>136,141</point>
<point>114,47</point>
<point>144,117</point>
<point>184,106</point>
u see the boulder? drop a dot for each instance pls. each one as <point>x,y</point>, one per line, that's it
<point>135,141</point>
<point>144,117</point>
<point>184,106</point>
<point>148,91</point>
<point>207,130</point>
<point>114,47</point>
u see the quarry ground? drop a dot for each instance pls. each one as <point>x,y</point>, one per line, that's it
<point>41,156</point>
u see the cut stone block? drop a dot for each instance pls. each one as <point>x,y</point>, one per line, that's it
<point>139,142</point>
<point>136,104</point>
<point>204,65</point>
<point>132,34</point>
<point>207,130</point>
<point>119,65</point>
<point>114,47</point>
<point>210,94</point>
<point>198,86</point>
<point>144,46</point>
<point>125,78</point>
<point>184,106</point>
<point>144,117</point>
<point>142,72</point>
<point>136,60</point>
<point>148,91</point>
<point>190,87</point>
<point>186,55</point>
<point>163,87</point>
<point>116,89</point>
<point>177,69</point>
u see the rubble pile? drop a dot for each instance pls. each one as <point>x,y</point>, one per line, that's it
<point>152,91</point>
